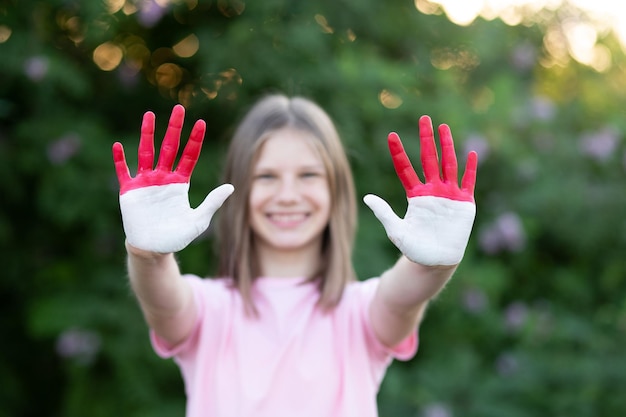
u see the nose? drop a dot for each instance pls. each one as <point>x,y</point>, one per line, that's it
<point>288,191</point>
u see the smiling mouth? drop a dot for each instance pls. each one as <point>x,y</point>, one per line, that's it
<point>287,219</point>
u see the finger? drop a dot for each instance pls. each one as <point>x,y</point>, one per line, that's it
<point>428,150</point>
<point>383,212</point>
<point>214,201</point>
<point>121,168</point>
<point>402,164</point>
<point>191,153</point>
<point>171,141</point>
<point>449,166</point>
<point>146,143</point>
<point>468,183</point>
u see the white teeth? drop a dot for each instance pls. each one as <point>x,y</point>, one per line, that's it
<point>287,217</point>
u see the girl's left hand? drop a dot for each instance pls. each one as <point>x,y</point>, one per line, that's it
<point>440,214</point>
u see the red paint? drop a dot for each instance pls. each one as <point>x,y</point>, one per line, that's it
<point>438,182</point>
<point>161,175</point>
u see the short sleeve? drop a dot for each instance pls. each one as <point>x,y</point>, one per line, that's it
<point>162,348</point>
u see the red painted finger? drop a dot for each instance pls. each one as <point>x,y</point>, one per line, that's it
<point>449,166</point>
<point>145,154</point>
<point>428,150</point>
<point>171,141</point>
<point>191,153</point>
<point>402,164</point>
<point>468,183</point>
<point>121,168</point>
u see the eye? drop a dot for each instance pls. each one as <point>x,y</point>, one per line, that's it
<point>264,176</point>
<point>310,174</point>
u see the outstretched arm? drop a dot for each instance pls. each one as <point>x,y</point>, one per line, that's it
<point>432,236</point>
<point>158,221</point>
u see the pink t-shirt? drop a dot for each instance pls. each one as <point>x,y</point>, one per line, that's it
<point>293,360</point>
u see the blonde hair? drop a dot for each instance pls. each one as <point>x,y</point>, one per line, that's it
<point>236,252</point>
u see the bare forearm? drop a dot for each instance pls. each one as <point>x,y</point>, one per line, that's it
<point>164,296</point>
<point>407,285</point>
<point>402,296</point>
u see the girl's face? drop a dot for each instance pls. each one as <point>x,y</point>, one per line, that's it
<point>290,197</point>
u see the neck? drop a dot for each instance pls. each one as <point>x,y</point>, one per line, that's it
<point>288,264</point>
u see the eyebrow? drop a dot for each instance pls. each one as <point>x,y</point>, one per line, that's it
<point>320,167</point>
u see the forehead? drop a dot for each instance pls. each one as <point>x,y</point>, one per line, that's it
<point>289,147</point>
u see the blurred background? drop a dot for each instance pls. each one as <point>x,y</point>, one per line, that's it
<point>534,322</point>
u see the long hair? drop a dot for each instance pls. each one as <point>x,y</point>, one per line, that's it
<point>237,258</point>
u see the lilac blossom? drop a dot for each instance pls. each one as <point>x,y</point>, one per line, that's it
<point>150,12</point>
<point>477,143</point>
<point>63,148</point>
<point>436,410</point>
<point>524,56</point>
<point>599,145</point>
<point>515,315</point>
<point>79,344</point>
<point>507,364</point>
<point>474,300</point>
<point>542,108</point>
<point>127,75</point>
<point>36,67</point>
<point>505,233</point>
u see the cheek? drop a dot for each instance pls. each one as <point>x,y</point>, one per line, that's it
<point>257,197</point>
<point>252,200</point>
<point>255,204</point>
<point>324,201</point>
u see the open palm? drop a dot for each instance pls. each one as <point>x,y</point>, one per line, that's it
<point>440,214</point>
<point>155,207</point>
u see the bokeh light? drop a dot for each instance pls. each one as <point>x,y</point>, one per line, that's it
<point>168,75</point>
<point>113,6</point>
<point>389,99</point>
<point>5,33</point>
<point>576,37</point>
<point>187,47</point>
<point>108,56</point>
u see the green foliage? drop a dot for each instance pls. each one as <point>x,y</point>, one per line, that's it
<point>534,322</point>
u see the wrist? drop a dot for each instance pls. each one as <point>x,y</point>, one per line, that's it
<point>435,271</point>
<point>144,254</point>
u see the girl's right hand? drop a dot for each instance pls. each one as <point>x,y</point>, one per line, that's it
<point>155,206</point>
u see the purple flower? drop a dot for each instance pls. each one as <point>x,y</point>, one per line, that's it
<point>82,345</point>
<point>36,67</point>
<point>127,75</point>
<point>474,300</point>
<point>515,315</point>
<point>436,410</point>
<point>599,145</point>
<point>478,143</point>
<point>507,364</point>
<point>63,148</point>
<point>150,12</point>
<point>542,108</point>
<point>505,233</point>
<point>524,56</point>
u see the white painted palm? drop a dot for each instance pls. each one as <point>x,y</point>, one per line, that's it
<point>440,215</point>
<point>156,213</point>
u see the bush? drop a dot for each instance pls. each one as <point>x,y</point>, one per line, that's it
<point>534,321</point>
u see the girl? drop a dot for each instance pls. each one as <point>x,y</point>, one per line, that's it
<point>287,329</point>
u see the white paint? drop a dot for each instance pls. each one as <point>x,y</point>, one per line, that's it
<point>434,231</point>
<point>159,218</point>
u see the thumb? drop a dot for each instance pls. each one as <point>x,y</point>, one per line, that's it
<point>383,212</point>
<point>214,200</point>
